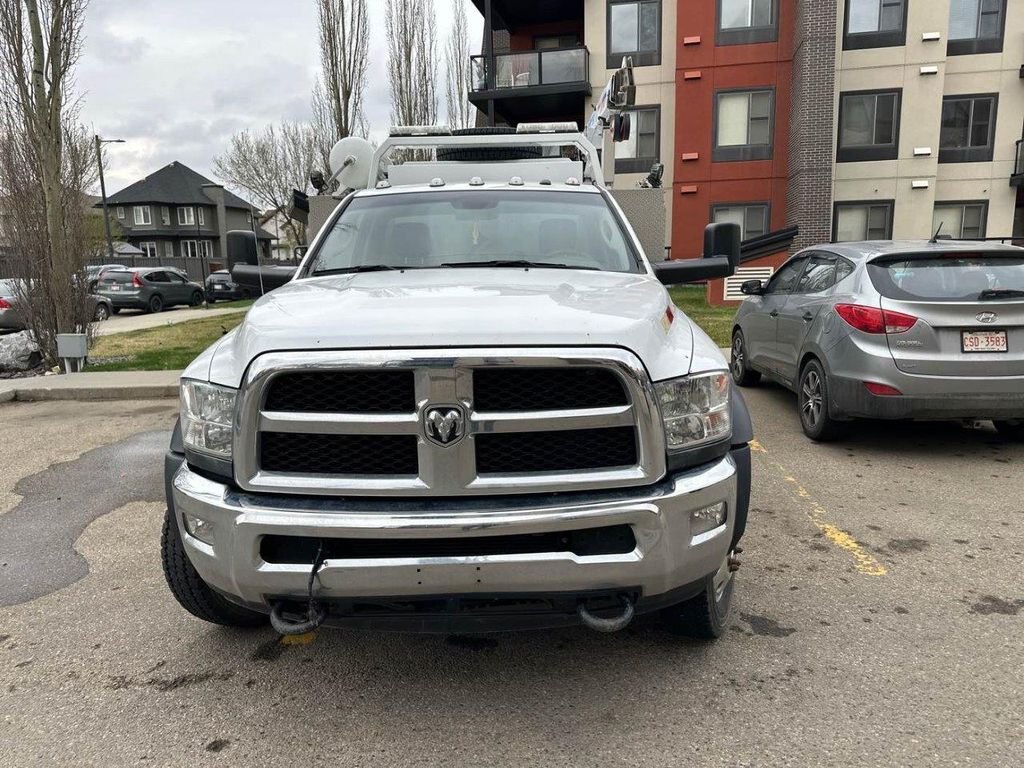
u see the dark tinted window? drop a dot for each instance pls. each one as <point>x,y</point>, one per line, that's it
<point>869,126</point>
<point>949,277</point>
<point>156,277</point>
<point>117,277</point>
<point>968,129</point>
<point>786,277</point>
<point>843,269</point>
<point>819,276</point>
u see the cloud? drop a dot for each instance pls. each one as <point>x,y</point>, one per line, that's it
<point>175,80</point>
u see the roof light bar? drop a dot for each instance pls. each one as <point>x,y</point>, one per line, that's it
<point>566,127</point>
<point>420,130</point>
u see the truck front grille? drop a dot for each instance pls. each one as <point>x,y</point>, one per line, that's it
<point>365,423</point>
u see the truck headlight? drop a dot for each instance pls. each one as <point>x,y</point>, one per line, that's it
<point>207,416</point>
<point>695,409</point>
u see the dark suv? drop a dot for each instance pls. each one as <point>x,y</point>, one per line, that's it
<point>148,288</point>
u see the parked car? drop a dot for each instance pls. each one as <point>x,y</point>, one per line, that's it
<point>148,288</point>
<point>103,308</point>
<point>10,318</point>
<point>94,273</point>
<point>221,287</point>
<point>890,330</point>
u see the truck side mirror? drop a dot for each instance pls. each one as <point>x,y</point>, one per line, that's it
<point>721,258</point>
<point>241,248</point>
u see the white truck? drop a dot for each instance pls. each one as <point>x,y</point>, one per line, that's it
<point>474,407</point>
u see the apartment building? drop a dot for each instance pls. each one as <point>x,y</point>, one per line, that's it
<point>547,60</point>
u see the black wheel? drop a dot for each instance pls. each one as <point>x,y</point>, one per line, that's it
<point>115,310</point>
<point>1011,430</point>
<point>705,615</point>
<point>487,154</point>
<point>197,298</point>
<point>742,374</point>
<point>194,594</point>
<point>156,304</point>
<point>812,394</point>
<point>101,313</point>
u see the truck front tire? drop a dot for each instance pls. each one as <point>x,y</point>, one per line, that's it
<point>704,616</point>
<point>194,594</point>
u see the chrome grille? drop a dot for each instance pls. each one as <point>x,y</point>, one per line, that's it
<point>533,421</point>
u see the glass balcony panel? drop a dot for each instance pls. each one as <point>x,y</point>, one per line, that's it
<point>566,66</point>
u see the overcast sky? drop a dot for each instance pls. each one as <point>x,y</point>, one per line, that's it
<point>176,80</point>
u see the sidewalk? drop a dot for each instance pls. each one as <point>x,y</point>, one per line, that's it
<point>137,322</point>
<point>119,385</point>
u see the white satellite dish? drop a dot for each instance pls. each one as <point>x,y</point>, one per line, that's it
<point>351,160</point>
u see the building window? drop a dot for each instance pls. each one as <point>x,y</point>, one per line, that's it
<point>976,26</point>
<point>142,215</point>
<point>964,221</point>
<point>871,220</point>
<point>753,218</point>
<point>149,249</point>
<point>120,213</point>
<point>641,150</point>
<point>869,126</point>
<point>202,217</point>
<point>634,29</point>
<point>165,215</point>
<point>206,249</point>
<point>189,249</point>
<point>742,22</point>
<point>743,125</point>
<point>968,129</point>
<point>875,24</point>
<point>169,249</point>
<point>187,216</point>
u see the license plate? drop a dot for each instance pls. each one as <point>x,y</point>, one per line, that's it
<point>220,287</point>
<point>983,341</point>
<point>114,287</point>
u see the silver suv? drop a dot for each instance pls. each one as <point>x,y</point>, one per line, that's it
<point>890,330</point>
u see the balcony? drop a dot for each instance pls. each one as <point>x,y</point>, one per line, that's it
<point>1017,177</point>
<point>517,13</point>
<point>532,85</point>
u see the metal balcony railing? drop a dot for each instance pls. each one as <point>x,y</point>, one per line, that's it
<point>1017,179</point>
<point>527,69</point>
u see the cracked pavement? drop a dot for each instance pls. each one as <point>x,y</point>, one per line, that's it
<point>878,620</point>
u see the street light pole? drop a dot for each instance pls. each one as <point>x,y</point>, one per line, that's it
<point>103,191</point>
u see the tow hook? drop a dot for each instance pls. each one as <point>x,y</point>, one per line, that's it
<point>615,624</point>
<point>735,562</point>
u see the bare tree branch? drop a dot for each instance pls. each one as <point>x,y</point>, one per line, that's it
<point>412,43</point>
<point>456,56</point>
<point>269,164</point>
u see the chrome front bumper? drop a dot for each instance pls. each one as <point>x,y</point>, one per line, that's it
<point>666,556</point>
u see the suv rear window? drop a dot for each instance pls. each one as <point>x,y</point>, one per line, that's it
<point>117,277</point>
<point>425,230</point>
<point>949,277</point>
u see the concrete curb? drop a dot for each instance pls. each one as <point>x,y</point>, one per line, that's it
<point>128,385</point>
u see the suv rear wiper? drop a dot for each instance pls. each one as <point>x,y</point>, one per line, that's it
<point>514,263</point>
<point>1000,293</point>
<point>360,268</point>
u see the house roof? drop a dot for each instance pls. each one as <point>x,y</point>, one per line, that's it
<point>174,184</point>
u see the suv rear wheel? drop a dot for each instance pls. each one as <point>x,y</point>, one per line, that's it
<point>156,304</point>
<point>812,394</point>
<point>704,616</point>
<point>191,592</point>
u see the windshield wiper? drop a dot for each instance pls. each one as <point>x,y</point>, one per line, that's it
<point>513,263</point>
<point>360,268</point>
<point>1000,293</point>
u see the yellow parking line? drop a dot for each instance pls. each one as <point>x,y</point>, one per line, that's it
<point>862,561</point>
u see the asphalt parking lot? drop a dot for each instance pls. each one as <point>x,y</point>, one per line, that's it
<point>878,620</point>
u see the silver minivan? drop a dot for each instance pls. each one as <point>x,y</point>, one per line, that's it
<point>890,330</point>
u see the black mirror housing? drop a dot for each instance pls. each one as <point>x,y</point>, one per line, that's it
<point>752,288</point>
<point>721,258</point>
<point>241,248</point>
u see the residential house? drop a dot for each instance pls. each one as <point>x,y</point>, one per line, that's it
<point>176,213</point>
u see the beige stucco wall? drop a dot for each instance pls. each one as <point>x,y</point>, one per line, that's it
<point>654,85</point>
<point>920,124</point>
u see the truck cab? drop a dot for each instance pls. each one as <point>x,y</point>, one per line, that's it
<point>473,407</point>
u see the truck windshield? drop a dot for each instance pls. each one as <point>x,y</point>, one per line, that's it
<point>486,227</point>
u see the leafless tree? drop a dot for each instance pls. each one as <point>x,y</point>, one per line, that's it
<point>46,164</point>
<point>412,44</point>
<point>268,165</point>
<point>344,57</point>
<point>456,55</point>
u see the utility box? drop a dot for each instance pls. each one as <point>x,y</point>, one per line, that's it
<point>72,349</point>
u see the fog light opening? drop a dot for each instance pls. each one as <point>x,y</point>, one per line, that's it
<point>707,519</point>
<point>199,528</point>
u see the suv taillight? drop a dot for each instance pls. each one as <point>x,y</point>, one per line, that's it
<point>136,280</point>
<point>5,304</point>
<point>875,320</point>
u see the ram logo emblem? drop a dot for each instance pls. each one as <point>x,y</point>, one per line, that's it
<point>444,425</point>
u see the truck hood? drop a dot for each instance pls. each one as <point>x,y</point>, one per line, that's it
<point>458,308</point>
